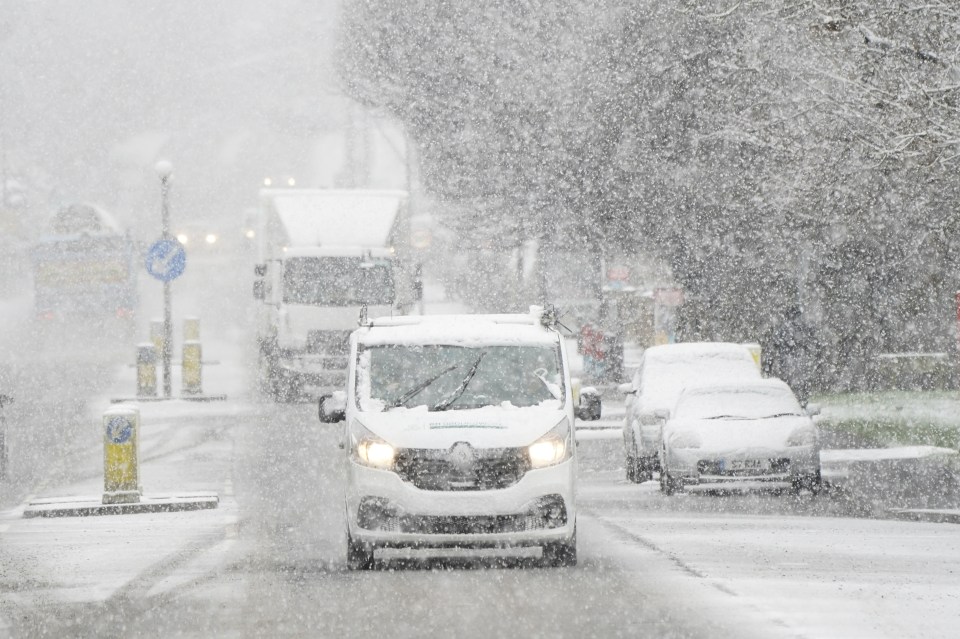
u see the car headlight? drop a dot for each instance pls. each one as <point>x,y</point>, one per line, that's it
<point>370,450</point>
<point>552,448</point>
<point>685,439</point>
<point>804,436</point>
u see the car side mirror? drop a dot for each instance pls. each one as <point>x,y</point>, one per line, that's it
<point>590,404</point>
<point>661,414</point>
<point>332,408</point>
<point>260,270</point>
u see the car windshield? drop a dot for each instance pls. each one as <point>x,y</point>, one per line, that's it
<point>443,377</point>
<point>337,281</point>
<point>747,403</point>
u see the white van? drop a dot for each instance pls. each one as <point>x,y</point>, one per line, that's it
<point>459,432</point>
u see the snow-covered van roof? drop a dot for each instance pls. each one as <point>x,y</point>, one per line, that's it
<point>460,330</point>
<point>336,217</point>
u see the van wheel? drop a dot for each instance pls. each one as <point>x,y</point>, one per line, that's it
<point>561,554</point>
<point>359,555</point>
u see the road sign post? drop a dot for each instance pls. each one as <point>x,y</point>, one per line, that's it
<point>166,261</point>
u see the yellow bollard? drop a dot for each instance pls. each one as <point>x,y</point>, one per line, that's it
<point>121,455</point>
<point>156,334</point>
<point>191,328</point>
<point>192,367</point>
<point>146,370</point>
<point>756,352</point>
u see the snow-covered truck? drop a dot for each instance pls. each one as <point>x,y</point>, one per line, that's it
<point>84,265</point>
<point>323,255</point>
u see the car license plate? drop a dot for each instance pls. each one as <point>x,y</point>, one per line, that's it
<point>746,464</point>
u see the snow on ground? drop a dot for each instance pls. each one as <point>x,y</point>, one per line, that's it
<point>821,577</point>
<point>907,407</point>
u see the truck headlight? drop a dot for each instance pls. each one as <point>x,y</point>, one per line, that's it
<point>370,450</point>
<point>552,448</point>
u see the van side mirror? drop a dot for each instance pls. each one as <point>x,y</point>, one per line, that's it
<point>332,408</point>
<point>590,405</point>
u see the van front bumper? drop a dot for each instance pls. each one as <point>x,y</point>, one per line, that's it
<point>384,511</point>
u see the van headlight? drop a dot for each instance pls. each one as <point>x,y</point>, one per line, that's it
<point>552,448</point>
<point>369,450</point>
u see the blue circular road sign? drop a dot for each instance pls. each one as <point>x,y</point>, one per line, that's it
<point>119,430</point>
<point>166,259</point>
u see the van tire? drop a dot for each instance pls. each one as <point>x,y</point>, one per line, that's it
<point>561,554</point>
<point>359,555</point>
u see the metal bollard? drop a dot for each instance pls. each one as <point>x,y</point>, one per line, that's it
<point>146,370</point>
<point>156,334</point>
<point>192,367</point>
<point>191,328</point>
<point>121,455</point>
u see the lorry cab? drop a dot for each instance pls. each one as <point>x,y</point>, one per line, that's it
<point>323,255</point>
<point>459,433</point>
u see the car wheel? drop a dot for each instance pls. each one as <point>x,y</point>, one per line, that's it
<point>359,555</point>
<point>811,482</point>
<point>631,463</point>
<point>561,554</point>
<point>669,485</point>
<point>645,466</point>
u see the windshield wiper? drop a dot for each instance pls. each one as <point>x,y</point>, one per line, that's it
<point>410,394</point>
<point>728,417</point>
<point>553,389</point>
<point>783,415</point>
<point>445,403</point>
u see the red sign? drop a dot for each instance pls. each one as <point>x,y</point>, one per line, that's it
<point>618,274</point>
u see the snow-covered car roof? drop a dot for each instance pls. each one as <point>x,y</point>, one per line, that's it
<point>460,330</point>
<point>689,351</point>
<point>669,368</point>
<point>763,385</point>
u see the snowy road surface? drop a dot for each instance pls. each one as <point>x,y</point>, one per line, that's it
<point>270,560</point>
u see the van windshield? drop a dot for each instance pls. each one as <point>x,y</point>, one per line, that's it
<point>443,377</point>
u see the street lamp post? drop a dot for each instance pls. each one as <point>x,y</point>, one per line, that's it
<point>164,170</point>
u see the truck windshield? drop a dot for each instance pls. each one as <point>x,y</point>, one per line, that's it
<point>337,281</point>
<point>444,377</point>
